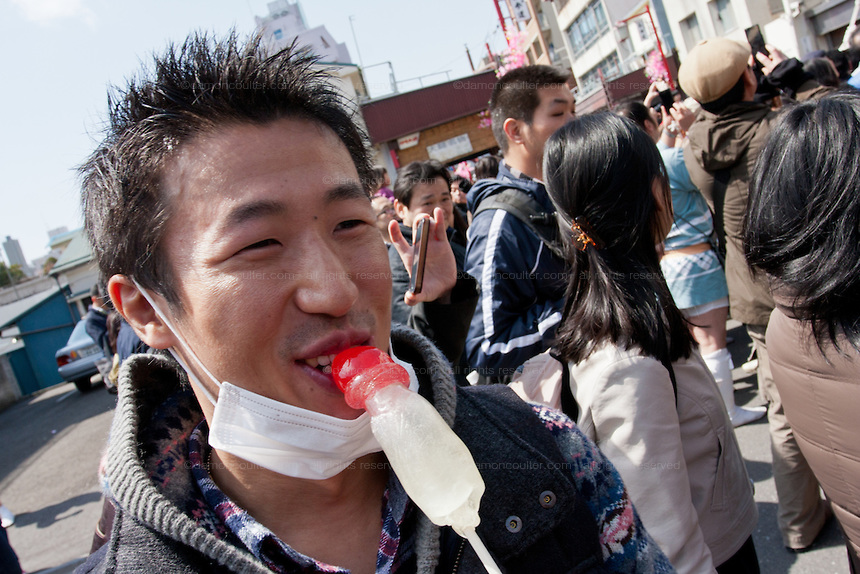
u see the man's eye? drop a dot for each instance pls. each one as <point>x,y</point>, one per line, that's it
<point>260,245</point>
<point>350,223</point>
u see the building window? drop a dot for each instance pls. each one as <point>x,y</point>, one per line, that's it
<point>588,27</point>
<point>278,34</point>
<point>722,15</point>
<point>642,30</point>
<point>690,31</point>
<point>610,67</point>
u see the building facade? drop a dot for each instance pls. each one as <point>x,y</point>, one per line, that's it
<point>796,28</point>
<point>608,41</point>
<point>440,122</point>
<point>286,23</point>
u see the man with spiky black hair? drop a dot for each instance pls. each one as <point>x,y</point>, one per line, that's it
<point>229,210</point>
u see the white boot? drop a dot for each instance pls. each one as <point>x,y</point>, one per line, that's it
<point>720,365</point>
<point>7,519</point>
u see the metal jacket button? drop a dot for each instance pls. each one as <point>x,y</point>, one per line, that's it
<point>513,524</point>
<point>547,499</point>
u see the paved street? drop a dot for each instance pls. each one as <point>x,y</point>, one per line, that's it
<point>51,445</point>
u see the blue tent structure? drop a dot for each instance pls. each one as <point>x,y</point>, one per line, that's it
<point>33,328</point>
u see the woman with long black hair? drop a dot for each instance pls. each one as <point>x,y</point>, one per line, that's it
<point>642,391</point>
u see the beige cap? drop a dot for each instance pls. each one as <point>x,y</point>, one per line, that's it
<point>712,68</point>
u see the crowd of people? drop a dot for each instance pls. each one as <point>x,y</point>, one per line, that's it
<point>571,327</point>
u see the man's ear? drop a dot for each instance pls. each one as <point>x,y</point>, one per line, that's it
<point>133,306</point>
<point>513,130</point>
<point>400,209</point>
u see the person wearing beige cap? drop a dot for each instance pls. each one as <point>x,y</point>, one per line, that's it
<point>722,147</point>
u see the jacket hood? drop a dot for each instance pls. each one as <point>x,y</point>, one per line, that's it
<point>719,141</point>
<point>484,188</point>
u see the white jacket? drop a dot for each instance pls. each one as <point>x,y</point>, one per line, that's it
<point>681,464</point>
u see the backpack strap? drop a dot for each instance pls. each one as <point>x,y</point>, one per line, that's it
<point>525,208</point>
<point>569,406</point>
<point>722,178</point>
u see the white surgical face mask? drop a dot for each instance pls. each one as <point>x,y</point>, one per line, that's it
<point>282,438</point>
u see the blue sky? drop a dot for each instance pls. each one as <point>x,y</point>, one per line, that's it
<point>59,56</point>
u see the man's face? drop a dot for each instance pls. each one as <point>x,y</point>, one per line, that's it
<point>457,196</point>
<point>556,108</point>
<point>384,210</point>
<point>277,258</point>
<point>425,198</point>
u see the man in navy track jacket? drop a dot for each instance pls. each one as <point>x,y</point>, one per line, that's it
<point>522,281</point>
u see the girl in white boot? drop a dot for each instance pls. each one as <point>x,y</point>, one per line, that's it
<point>690,264</point>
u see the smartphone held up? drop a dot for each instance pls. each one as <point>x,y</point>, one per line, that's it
<point>666,99</point>
<point>419,255</point>
<point>757,45</point>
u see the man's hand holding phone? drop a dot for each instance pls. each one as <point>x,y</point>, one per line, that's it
<point>770,61</point>
<point>439,269</point>
<point>660,98</point>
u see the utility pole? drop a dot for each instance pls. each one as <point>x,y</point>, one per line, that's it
<point>501,18</point>
<point>391,77</point>
<point>354,39</point>
<point>471,65</point>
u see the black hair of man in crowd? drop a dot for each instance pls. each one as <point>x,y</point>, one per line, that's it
<point>516,96</point>
<point>487,167</point>
<point>418,172</point>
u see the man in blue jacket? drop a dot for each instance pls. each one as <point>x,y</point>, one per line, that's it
<point>522,281</point>
<point>96,321</point>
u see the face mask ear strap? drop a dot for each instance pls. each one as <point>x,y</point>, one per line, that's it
<point>185,346</point>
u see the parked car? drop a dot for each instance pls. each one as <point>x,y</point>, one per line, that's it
<point>76,362</point>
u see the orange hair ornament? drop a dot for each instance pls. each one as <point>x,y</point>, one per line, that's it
<point>583,234</point>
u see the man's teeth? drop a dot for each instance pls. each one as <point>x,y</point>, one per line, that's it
<point>323,362</point>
